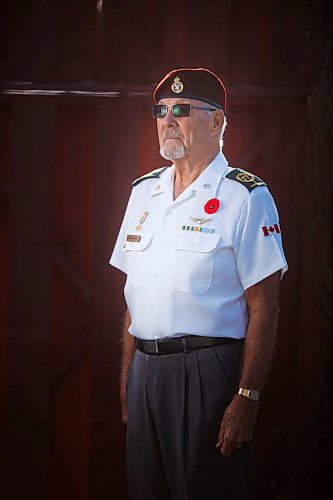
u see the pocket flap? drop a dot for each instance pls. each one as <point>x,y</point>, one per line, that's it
<point>195,241</point>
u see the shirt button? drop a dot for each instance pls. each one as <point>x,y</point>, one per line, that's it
<point>151,306</point>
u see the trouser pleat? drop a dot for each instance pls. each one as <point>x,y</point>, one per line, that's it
<point>176,404</point>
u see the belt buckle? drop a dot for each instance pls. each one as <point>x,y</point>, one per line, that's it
<point>155,346</point>
<point>185,345</point>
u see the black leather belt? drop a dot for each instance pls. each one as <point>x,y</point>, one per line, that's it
<point>180,344</point>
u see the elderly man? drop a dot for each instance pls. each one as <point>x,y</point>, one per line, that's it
<point>201,246</point>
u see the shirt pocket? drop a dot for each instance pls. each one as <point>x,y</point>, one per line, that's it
<point>136,257</point>
<point>193,261</point>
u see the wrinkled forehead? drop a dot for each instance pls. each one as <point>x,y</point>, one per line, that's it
<point>170,101</point>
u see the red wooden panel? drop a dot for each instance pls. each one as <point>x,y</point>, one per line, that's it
<point>74,185</point>
<point>73,204</point>
<point>208,35</point>
<point>70,324</point>
<point>98,147</point>
<point>4,247</point>
<point>71,420</point>
<point>56,43</point>
<point>5,142</point>
<point>242,141</point>
<point>149,157</point>
<point>26,423</point>
<point>117,146</point>
<point>76,40</point>
<point>4,284</point>
<point>4,258</point>
<point>125,42</point>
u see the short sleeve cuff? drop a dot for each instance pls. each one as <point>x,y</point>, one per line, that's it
<point>257,277</point>
<point>119,264</point>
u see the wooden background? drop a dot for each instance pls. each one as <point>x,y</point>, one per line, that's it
<point>76,80</point>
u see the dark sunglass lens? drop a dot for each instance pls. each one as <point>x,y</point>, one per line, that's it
<point>154,111</point>
<point>159,111</point>
<point>185,109</point>
<point>181,110</point>
<point>177,110</point>
<point>162,111</point>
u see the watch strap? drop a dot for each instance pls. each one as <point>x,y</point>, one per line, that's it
<point>249,393</point>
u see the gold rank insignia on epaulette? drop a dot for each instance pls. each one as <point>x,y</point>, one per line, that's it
<point>151,175</point>
<point>248,180</point>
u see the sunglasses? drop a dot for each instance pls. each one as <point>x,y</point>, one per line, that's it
<point>178,110</point>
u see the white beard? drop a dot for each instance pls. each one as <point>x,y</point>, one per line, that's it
<point>172,151</point>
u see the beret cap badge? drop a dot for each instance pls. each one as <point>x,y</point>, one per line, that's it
<point>177,87</point>
<point>192,83</point>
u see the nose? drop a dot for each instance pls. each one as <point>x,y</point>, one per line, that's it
<point>169,119</point>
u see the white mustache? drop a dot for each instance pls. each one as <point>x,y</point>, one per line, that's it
<point>171,135</point>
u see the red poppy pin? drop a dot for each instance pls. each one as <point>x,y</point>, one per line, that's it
<point>212,206</point>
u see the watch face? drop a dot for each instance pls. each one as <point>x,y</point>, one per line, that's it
<point>254,395</point>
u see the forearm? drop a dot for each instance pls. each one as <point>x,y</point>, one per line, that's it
<point>239,417</point>
<point>259,346</point>
<point>128,350</point>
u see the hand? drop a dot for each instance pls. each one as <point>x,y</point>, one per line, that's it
<point>237,424</point>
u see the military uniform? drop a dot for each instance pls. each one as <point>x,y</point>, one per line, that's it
<point>188,262</point>
<point>187,269</point>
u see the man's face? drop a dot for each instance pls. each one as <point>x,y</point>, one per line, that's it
<point>181,137</point>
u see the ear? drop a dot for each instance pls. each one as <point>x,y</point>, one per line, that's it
<point>218,119</point>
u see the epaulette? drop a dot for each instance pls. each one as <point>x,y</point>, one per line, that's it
<point>248,180</point>
<point>151,175</point>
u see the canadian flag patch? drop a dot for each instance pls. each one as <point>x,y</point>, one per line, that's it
<point>268,230</point>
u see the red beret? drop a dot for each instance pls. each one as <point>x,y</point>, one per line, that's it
<point>192,83</point>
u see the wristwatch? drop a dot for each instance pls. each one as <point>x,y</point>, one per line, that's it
<point>249,393</point>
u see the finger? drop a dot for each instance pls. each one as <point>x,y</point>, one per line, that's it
<point>220,438</point>
<point>228,448</point>
<point>227,445</point>
<point>230,443</point>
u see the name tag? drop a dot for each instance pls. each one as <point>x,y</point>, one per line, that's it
<point>135,238</point>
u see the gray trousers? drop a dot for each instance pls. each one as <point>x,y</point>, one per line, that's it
<point>175,406</point>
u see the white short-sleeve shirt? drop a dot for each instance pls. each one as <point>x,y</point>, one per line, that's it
<point>187,269</point>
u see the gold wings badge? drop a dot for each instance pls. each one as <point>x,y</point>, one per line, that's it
<point>200,221</point>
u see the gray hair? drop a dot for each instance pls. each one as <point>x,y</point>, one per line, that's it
<point>224,125</point>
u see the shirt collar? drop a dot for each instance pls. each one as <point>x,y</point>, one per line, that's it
<point>208,181</point>
<point>164,183</point>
